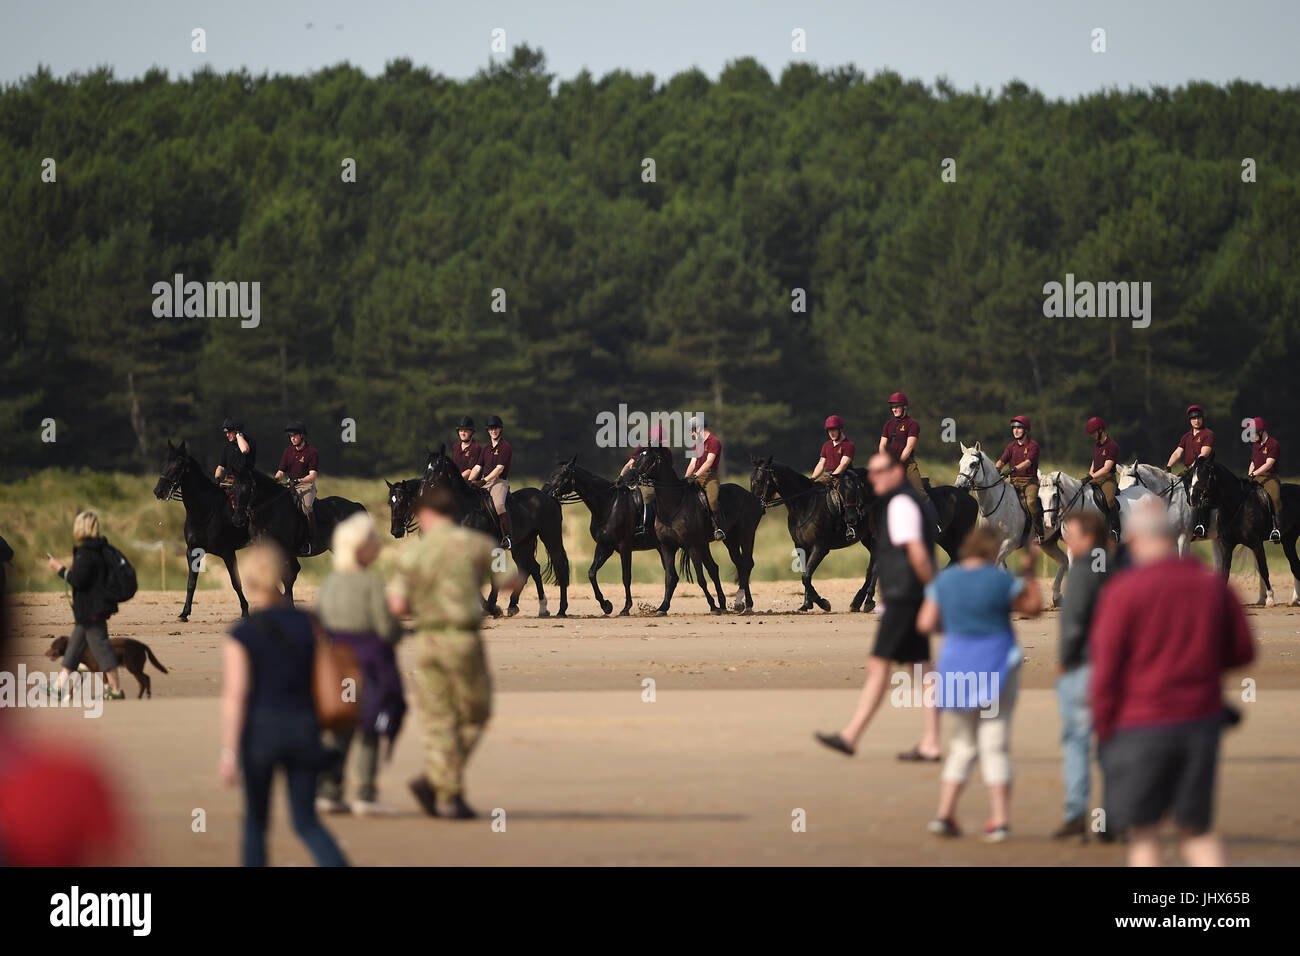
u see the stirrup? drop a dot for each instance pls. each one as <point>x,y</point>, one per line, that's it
<point>719,534</point>
<point>849,533</point>
<point>505,541</point>
<point>1275,536</point>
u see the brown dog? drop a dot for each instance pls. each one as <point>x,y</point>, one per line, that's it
<point>129,651</point>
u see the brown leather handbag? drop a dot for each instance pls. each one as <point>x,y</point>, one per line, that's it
<point>338,703</point>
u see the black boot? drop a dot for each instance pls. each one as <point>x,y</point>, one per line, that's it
<point>1112,518</point>
<point>718,533</point>
<point>504,518</point>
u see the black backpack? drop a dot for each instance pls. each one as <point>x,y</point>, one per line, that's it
<point>119,577</point>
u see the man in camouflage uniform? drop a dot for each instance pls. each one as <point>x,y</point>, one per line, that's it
<point>437,580</point>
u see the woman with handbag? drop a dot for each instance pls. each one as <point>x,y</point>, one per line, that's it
<point>269,709</point>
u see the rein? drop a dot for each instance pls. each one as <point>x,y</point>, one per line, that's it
<point>979,464</point>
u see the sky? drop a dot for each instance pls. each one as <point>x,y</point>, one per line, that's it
<point>1044,43</point>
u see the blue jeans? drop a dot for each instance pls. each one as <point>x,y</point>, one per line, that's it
<point>292,741</point>
<point>1076,738</point>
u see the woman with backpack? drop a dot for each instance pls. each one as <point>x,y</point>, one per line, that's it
<point>92,604</point>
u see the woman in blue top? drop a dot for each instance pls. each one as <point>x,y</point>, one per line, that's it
<point>977,674</point>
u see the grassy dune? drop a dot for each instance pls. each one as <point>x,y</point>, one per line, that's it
<point>36,516</point>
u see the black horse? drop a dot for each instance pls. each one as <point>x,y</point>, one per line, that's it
<point>533,515</point>
<point>209,525</point>
<point>1244,517</point>
<point>682,523</point>
<point>815,526</point>
<point>273,512</point>
<point>615,514</point>
<point>401,506</point>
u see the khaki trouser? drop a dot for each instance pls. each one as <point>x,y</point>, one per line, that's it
<point>913,472</point>
<point>497,490</point>
<point>306,495</point>
<point>1027,488</point>
<point>710,482</point>
<point>454,700</point>
<point>1108,487</point>
<point>1271,484</point>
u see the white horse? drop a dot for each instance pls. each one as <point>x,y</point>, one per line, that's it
<point>1176,495</point>
<point>1000,507</point>
<point>1060,493</point>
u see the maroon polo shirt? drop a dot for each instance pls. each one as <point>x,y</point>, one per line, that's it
<point>896,433</point>
<point>1160,640</point>
<point>498,454</point>
<point>1104,451</point>
<point>1192,444</point>
<point>711,444</point>
<point>1261,451</point>
<point>1015,453</point>
<point>467,458</point>
<point>296,464</point>
<point>835,453</point>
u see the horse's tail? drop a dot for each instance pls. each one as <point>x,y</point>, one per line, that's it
<point>684,566</point>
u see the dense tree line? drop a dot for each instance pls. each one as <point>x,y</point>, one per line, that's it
<point>377,295</point>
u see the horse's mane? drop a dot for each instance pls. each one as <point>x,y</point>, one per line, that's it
<point>192,464</point>
<point>458,481</point>
<point>802,479</point>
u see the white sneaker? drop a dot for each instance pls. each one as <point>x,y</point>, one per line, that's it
<point>326,805</point>
<point>372,808</point>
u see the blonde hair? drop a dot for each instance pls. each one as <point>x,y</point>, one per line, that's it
<point>261,569</point>
<point>85,526</point>
<point>350,537</point>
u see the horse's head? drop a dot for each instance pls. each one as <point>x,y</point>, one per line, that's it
<point>439,469</point>
<point>401,503</point>
<point>1049,499</point>
<point>762,481</point>
<point>1126,476</point>
<point>173,470</point>
<point>969,467</point>
<point>647,466</point>
<point>562,481</point>
<point>1202,484</point>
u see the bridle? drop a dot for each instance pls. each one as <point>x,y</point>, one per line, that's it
<point>972,482</point>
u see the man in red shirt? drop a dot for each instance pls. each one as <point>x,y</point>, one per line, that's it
<point>1105,455</point>
<point>1197,442</point>
<point>706,467</point>
<point>496,472</point>
<point>467,454</point>
<point>1263,470</point>
<point>834,468</point>
<point>1158,661</point>
<point>899,437</point>
<point>1019,463</point>
<point>299,465</point>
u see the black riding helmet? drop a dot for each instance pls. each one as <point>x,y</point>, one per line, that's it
<point>465,422</point>
<point>494,421</point>
<point>295,427</point>
<point>230,425</point>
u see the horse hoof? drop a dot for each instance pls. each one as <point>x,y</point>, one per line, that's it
<point>802,608</point>
<point>545,613</point>
<point>715,610</point>
<point>562,614</point>
<point>512,610</point>
<point>854,608</point>
<point>824,605</point>
<point>662,612</point>
<point>623,613</point>
<point>868,607</point>
<point>607,606</point>
<point>183,617</point>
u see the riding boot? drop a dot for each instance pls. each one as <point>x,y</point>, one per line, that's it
<point>1038,525</point>
<point>504,518</point>
<point>311,531</point>
<point>1112,518</point>
<point>640,525</point>
<point>718,533</point>
<point>1276,534</point>
<point>850,523</point>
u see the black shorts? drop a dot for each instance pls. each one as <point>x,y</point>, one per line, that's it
<point>1164,771</point>
<point>898,639</point>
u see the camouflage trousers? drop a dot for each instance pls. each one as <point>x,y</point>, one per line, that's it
<point>454,698</point>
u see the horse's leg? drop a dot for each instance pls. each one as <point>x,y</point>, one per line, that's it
<point>1062,560</point>
<point>294,567</point>
<point>1265,585</point>
<point>668,555</point>
<point>603,551</point>
<point>625,559</point>
<point>865,599</point>
<point>232,568</point>
<point>810,595</point>
<point>744,563</point>
<point>529,570</point>
<point>1288,548</point>
<point>712,567</point>
<point>193,582</point>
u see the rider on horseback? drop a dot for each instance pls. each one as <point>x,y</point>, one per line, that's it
<point>704,468</point>
<point>235,468</point>
<point>299,465</point>
<point>898,439</point>
<point>659,443</point>
<point>835,468</point>
<point>467,454</point>
<point>1105,454</point>
<point>496,466</point>
<point>1019,464</point>
<point>1198,442</point>
<point>1263,471</point>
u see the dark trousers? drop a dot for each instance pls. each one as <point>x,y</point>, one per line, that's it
<point>292,741</point>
